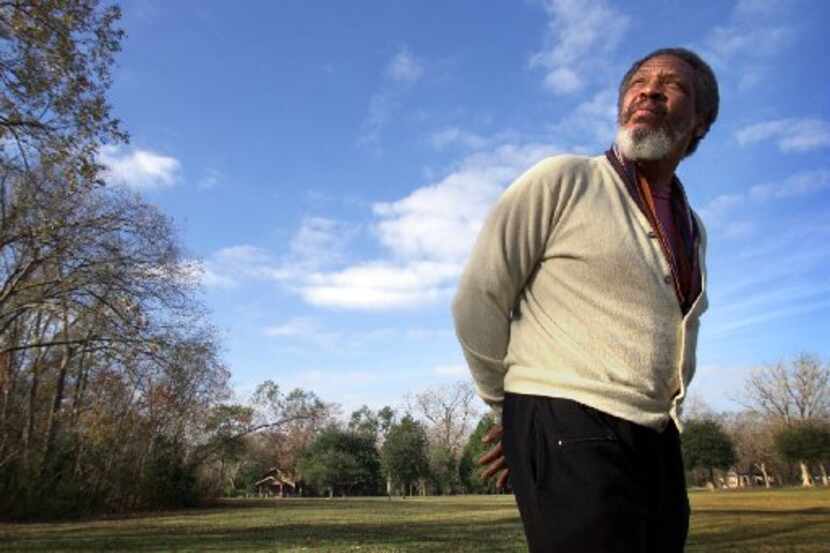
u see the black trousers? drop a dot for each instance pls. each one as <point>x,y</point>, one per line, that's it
<point>589,482</point>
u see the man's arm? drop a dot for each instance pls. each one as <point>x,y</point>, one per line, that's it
<point>510,245</point>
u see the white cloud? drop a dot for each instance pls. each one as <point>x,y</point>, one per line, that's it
<point>800,184</point>
<point>440,221</point>
<point>580,36</point>
<point>426,238</point>
<point>139,169</point>
<point>404,67</point>
<point>791,135</point>
<point>381,285</point>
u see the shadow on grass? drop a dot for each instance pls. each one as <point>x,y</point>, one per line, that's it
<point>498,535</point>
<point>762,512</point>
<point>744,530</point>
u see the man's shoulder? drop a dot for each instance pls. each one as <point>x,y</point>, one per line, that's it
<point>565,165</point>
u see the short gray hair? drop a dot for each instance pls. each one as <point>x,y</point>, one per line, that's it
<point>707,98</point>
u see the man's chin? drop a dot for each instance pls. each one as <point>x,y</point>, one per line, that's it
<point>644,143</point>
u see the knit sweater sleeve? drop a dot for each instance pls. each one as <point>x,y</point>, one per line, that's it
<point>506,253</point>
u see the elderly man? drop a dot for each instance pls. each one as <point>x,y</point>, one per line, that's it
<point>578,314</point>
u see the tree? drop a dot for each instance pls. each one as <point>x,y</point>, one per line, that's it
<point>404,453</point>
<point>805,443</point>
<point>705,445</point>
<point>475,448</point>
<point>794,392</point>
<point>55,64</point>
<point>342,461</point>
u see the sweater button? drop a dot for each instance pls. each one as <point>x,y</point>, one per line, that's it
<point>667,279</point>
<point>651,234</point>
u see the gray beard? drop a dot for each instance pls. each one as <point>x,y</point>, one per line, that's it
<point>645,144</point>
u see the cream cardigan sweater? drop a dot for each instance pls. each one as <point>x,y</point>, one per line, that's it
<point>568,294</point>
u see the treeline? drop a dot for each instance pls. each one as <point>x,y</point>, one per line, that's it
<point>781,437</point>
<point>427,447</point>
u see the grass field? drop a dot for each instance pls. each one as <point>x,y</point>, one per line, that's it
<point>754,521</point>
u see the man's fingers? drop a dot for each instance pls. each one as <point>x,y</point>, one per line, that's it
<point>493,468</point>
<point>493,434</point>
<point>491,455</point>
<point>502,480</point>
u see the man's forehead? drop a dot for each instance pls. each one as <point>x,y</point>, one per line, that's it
<point>665,64</point>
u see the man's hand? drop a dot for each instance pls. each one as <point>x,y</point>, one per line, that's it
<point>493,460</point>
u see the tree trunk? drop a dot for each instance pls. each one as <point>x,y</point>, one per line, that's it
<point>824,480</point>
<point>54,414</point>
<point>806,479</point>
<point>763,468</point>
<point>29,417</point>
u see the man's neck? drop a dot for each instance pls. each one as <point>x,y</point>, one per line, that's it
<point>658,173</point>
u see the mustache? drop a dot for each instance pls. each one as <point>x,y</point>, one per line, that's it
<point>647,104</point>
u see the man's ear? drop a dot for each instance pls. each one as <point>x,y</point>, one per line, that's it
<point>700,127</point>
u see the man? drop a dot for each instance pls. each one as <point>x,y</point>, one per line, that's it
<point>578,314</point>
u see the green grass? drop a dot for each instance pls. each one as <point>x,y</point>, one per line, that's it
<point>756,521</point>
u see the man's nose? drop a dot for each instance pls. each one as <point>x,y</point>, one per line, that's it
<point>653,90</point>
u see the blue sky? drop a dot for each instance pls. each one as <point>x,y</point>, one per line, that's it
<point>328,165</point>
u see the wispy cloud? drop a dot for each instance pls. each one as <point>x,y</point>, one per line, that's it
<point>457,370</point>
<point>404,67</point>
<point>808,305</point>
<point>319,243</point>
<point>791,135</point>
<point>718,211</point>
<point>401,73</point>
<point>579,37</point>
<point>800,184</point>
<point>757,31</point>
<point>300,326</point>
<point>594,120</point>
<point>741,39</point>
<point>210,179</point>
<point>452,136</point>
<point>137,168</point>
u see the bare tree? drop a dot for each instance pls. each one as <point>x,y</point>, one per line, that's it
<point>790,393</point>
<point>796,391</point>
<point>450,412</point>
<point>753,437</point>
